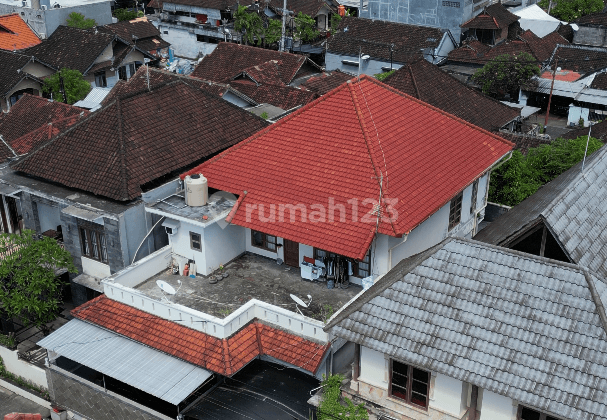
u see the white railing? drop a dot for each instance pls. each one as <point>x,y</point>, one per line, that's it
<point>218,327</point>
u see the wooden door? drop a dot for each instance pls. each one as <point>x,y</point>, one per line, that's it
<point>291,250</point>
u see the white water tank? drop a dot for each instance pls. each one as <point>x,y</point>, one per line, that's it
<point>196,190</point>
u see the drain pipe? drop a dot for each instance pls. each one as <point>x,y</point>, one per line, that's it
<point>145,237</point>
<point>473,402</point>
<point>395,246</point>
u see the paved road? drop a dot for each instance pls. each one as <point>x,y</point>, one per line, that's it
<point>13,403</point>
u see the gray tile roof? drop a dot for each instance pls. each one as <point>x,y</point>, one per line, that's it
<point>572,206</point>
<point>522,326</point>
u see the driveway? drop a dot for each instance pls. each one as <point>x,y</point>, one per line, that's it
<point>13,403</point>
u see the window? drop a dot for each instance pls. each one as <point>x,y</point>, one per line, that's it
<point>474,197</point>
<point>525,413</point>
<point>455,211</point>
<point>122,73</point>
<point>93,243</point>
<point>263,240</point>
<point>360,268</point>
<point>195,242</point>
<point>451,4</point>
<point>131,69</point>
<point>409,384</point>
<point>100,79</point>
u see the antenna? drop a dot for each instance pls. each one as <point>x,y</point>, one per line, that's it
<point>166,288</point>
<point>298,302</point>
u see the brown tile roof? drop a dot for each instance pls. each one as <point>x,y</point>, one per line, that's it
<point>15,34</point>
<point>284,97</point>
<point>543,48</point>
<point>10,70</point>
<point>428,83</point>
<point>600,81</point>
<point>326,82</point>
<point>152,44</point>
<point>223,356</point>
<point>523,142</point>
<point>139,31</point>
<point>228,60</point>
<point>566,31</point>
<point>265,73</point>
<point>375,37</point>
<point>599,131</point>
<point>493,17</point>
<point>580,59</point>
<point>137,139</point>
<point>593,19</point>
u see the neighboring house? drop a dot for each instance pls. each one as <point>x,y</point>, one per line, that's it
<point>15,34</point>
<point>430,84</point>
<point>325,82</point>
<point>599,131</point>
<point>20,74</point>
<point>374,46</point>
<point>536,20</point>
<point>344,164</point>
<point>583,60</point>
<point>93,178</point>
<point>564,220</point>
<point>445,15</point>
<point>493,25</point>
<point>102,58</point>
<point>195,27</point>
<point>467,330</point>
<point>45,16</point>
<point>140,32</point>
<point>591,30</point>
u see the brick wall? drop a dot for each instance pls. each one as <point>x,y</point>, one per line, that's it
<point>90,402</point>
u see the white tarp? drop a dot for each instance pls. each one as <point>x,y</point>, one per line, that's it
<point>537,21</point>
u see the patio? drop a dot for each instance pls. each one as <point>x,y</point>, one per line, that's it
<point>252,276</point>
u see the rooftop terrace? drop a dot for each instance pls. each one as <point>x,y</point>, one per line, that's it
<point>251,277</point>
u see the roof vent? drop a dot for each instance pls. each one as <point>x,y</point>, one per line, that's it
<point>196,190</point>
<point>587,58</point>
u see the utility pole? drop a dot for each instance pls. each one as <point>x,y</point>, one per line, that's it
<point>556,63</point>
<point>284,23</point>
<point>62,86</point>
<point>549,6</point>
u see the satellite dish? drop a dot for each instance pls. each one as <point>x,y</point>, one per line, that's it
<point>298,301</point>
<point>166,288</point>
<point>366,57</point>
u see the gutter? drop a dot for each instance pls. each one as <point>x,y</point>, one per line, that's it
<point>405,236</point>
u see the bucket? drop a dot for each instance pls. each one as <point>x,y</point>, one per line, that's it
<point>330,284</point>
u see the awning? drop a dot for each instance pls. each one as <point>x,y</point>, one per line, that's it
<point>83,214</point>
<point>151,371</point>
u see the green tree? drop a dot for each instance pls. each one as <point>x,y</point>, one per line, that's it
<point>383,76</point>
<point>251,23</point>
<point>522,176</point>
<point>77,20</point>
<point>336,20</point>
<point>305,28</point>
<point>505,74</point>
<point>76,88</point>
<point>331,406</point>
<point>570,10</point>
<point>124,14</point>
<point>273,32</point>
<point>29,287</point>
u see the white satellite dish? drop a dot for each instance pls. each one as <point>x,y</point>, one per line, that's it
<point>166,288</point>
<point>298,302</point>
<point>366,57</point>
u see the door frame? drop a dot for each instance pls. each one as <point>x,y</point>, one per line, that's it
<point>295,246</point>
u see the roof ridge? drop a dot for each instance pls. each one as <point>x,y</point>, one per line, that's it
<point>597,297</point>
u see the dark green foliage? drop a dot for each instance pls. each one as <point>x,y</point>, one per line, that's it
<point>4,373</point>
<point>250,23</point>
<point>333,407</point>
<point>305,28</point>
<point>505,74</point>
<point>570,10</point>
<point>29,287</point>
<point>273,32</point>
<point>77,20</point>
<point>76,88</point>
<point>522,176</point>
<point>124,14</point>
<point>382,76</point>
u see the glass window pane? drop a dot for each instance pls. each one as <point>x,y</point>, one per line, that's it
<point>418,399</point>
<point>195,237</point>
<point>420,375</point>
<point>528,414</point>
<point>399,392</point>
<point>257,238</point>
<point>103,248</point>
<point>85,242</point>
<point>94,245</point>
<point>271,246</point>
<point>399,367</point>
<point>419,387</point>
<point>400,380</point>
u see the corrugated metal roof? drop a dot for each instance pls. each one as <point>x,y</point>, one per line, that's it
<point>151,371</point>
<point>509,322</point>
<point>561,88</point>
<point>94,98</point>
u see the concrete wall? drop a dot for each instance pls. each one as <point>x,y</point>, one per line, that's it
<point>497,407</point>
<point>221,245</point>
<point>49,216</point>
<point>335,61</point>
<point>373,368</point>
<point>21,368</point>
<point>575,113</point>
<point>95,268</point>
<point>447,395</point>
<point>23,84</point>
<point>37,69</point>
<point>184,42</point>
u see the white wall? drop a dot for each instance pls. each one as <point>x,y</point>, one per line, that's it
<point>184,43</point>
<point>497,407</point>
<point>259,251</point>
<point>221,245</point>
<point>447,395</point>
<point>20,368</point>
<point>145,268</point>
<point>373,368</point>
<point>48,216</point>
<point>180,242</point>
<point>95,268</point>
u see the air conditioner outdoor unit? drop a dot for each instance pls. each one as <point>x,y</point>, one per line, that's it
<point>170,226</point>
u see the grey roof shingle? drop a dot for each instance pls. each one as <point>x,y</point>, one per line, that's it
<point>522,326</point>
<point>572,206</point>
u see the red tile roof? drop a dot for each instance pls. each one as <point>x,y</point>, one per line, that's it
<point>563,75</point>
<point>140,138</point>
<point>330,150</point>
<point>229,60</point>
<point>15,34</point>
<point>492,17</point>
<point>223,356</point>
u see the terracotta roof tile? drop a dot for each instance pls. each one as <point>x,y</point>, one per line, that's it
<point>524,143</point>
<point>223,356</point>
<point>326,82</point>
<point>492,17</point>
<point>229,60</point>
<point>15,34</point>
<point>580,59</point>
<point>328,150</point>
<point>136,139</point>
<point>593,19</point>
<point>599,82</point>
<point>428,83</point>
<point>284,97</point>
